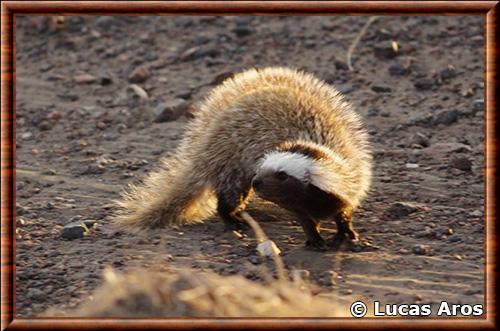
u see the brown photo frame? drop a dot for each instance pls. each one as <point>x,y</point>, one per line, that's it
<point>10,9</point>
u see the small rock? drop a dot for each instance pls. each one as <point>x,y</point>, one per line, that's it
<point>170,111</point>
<point>443,232</point>
<point>94,169</point>
<point>448,73</point>
<point>27,135</point>
<point>476,213</point>
<point>420,249</point>
<point>268,248</point>
<point>424,83</point>
<point>105,80</point>
<point>411,165</point>
<point>242,31</point>
<point>340,65</point>
<point>447,148</point>
<point>445,117</point>
<point>478,105</point>
<point>35,294</point>
<point>461,162</point>
<point>300,274</point>
<point>54,116</point>
<point>44,125</point>
<point>386,49</point>
<point>84,78</point>
<point>328,278</point>
<point>381,88</point>
<point>68,96</point>
<point>139,75</point>
<point>420,139</point>
<point>197,52</point>
<point>74,230</point>
<point>398,70</point>
<point>139,91</point>
<point>400,209</point>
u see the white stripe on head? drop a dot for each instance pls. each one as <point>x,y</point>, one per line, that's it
<point>294,164</point>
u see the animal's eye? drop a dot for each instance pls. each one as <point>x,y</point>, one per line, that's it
<point>281,175</point>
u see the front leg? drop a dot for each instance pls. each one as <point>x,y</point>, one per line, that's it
<point>346,233</point>
<point>314,240</point>
<point>345,230</point>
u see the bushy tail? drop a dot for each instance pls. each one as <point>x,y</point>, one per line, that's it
<point>175,194</point>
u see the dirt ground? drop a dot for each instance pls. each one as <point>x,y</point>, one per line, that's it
<point>83,133</point>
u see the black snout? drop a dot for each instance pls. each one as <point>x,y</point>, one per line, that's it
<point>256,182</point>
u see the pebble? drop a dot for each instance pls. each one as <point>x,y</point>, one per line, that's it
<point>328,278</point>
<point>448,73</point>
<point>386,49</point>
<point>420,139</point>
<point>105,80</point>
<point>139,75</point>
<point>36,294</point>
<point>94,169</point>
<point>139,91</point>
<point>170,110</point>
<point>54,116</point>
<point>461,162</point>
<point>68,96</point>
<point>411,165</point>
<point>381,88</point>
<point>447,148</point>
<point>74,230</point>
<point>478,105</point>
<point>401,209</point>
<point>197,52</point>
<point>242,31</point>
<point>27,135</point>
<point>424,83</point>
<point>398,70</point>
<point>476,213</point>
<point>84,78</point>
<point>340,65</point>
<point>420,249</point>
<point>446,117</point>
<point>44,125</point>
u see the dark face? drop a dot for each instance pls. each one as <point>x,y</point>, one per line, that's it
<point>294,195</point>
<point>278,187</point>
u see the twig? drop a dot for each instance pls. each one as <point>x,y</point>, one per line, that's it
<point>261,237</point>
<point>356,40</point>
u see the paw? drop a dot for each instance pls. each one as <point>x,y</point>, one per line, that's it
<point>316,245</point>
<point>337,240</point>
<point>236,226</point>
<point>357,245</point>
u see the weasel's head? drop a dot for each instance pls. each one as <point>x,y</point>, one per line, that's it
<point>299,173</point>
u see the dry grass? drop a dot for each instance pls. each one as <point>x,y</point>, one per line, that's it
<point>196,294</point>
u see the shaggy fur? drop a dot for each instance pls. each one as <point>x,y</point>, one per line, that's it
<point>257,118</point>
